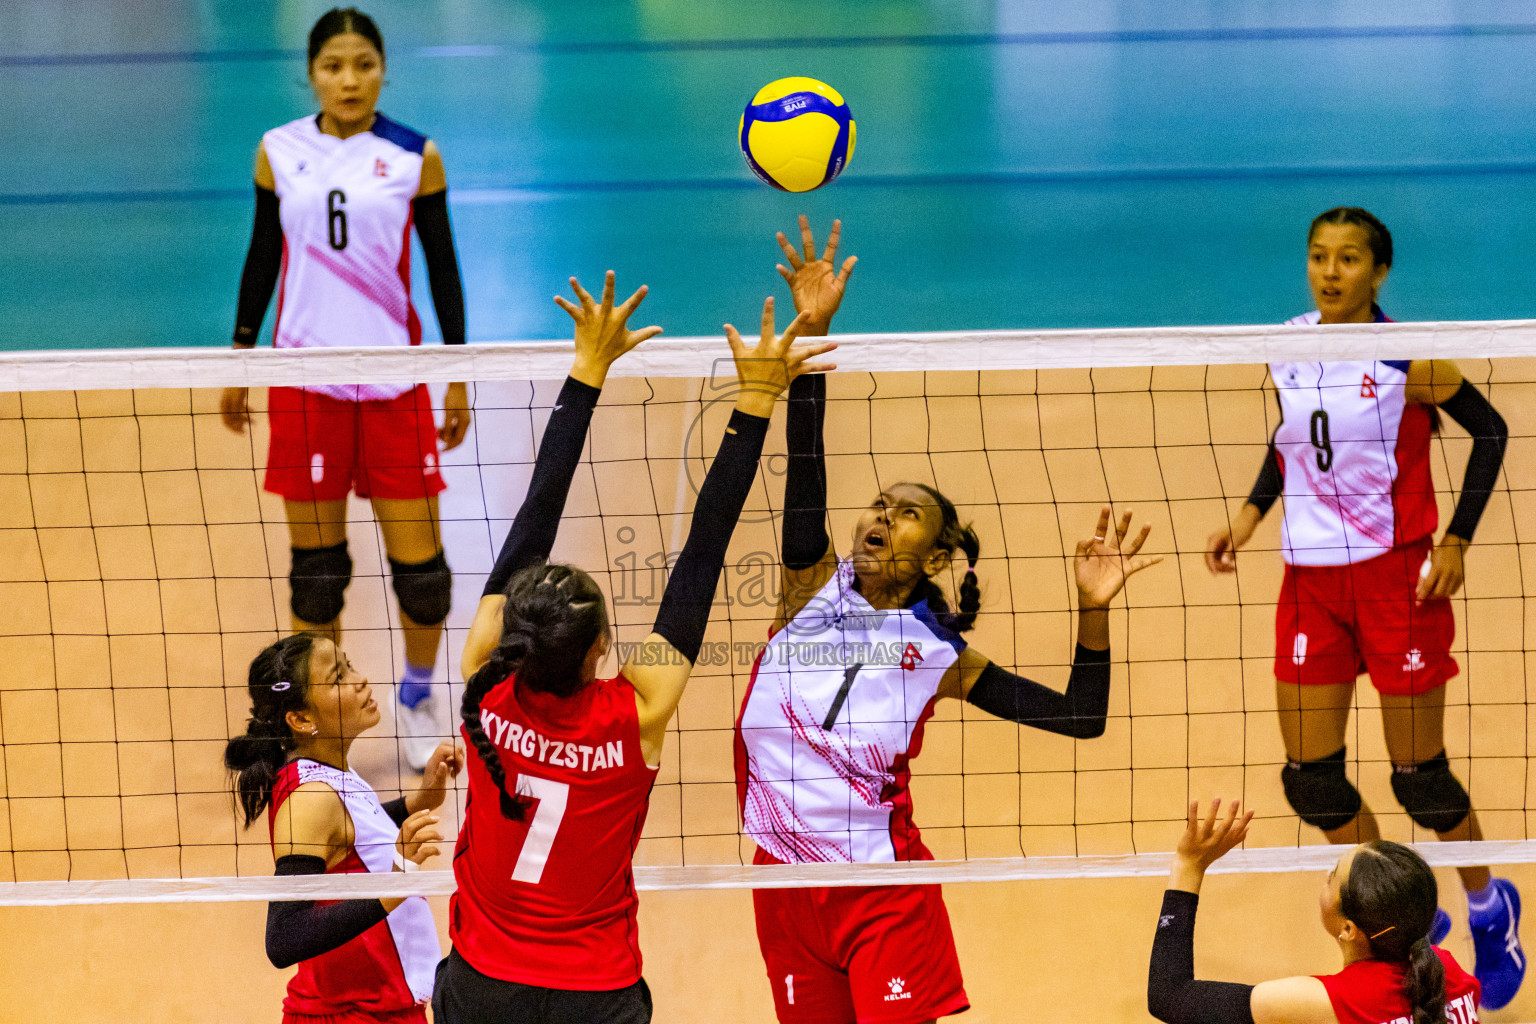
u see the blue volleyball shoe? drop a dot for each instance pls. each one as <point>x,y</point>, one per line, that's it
<point>1500,966</point>
<point>1440,928</point>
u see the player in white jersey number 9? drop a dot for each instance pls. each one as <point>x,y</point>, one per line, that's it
<point>1366,588</point>
<point>862,648</point>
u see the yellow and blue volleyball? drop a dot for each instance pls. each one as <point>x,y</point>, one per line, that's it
<point>797,134</point>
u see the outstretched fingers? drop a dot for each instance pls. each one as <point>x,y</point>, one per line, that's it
<point>632,303</point>
<point>789,253</point>
<point>1102,530</point>
<point>766,335</point>
<point>842,275</point>
<point>807,240</point>
<point>587,304</point>
<point>830,252</point>
<point>607,307</point>
<point>1137,541</point>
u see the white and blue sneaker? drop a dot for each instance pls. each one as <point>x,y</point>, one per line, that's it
<point>1500,965</point>
<point>416,722</point>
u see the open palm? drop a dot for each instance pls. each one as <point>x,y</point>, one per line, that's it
<point>816,285</point>
<point>1104,563</point>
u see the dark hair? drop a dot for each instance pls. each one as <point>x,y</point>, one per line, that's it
<point>554,614</point>
<point>952,534</point>
<point>278,683</point>
<point>338,21</point>
<point>1376,234</point>
<point>1391,896</point>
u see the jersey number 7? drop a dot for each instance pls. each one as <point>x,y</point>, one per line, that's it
<point>552,797</point>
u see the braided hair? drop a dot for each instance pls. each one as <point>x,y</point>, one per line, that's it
<point>1390,894</point>
<point>952,534</point>
<point>278,682</point>
<point>553,616</point>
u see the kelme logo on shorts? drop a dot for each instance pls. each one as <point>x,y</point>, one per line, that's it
<point>898,987</point>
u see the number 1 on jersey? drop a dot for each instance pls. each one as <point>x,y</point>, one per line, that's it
<point>842,695</point>
<point>552,797</point>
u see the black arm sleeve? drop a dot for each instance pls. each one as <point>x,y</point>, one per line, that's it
<point>396,810</point>
<point>1081,712</point>
<point>690,592</point>
<point>1173,994</point>
<point>805,480</point>
<point>538,520</point>
<point>263,262</point>
<point>1490,436</point>
<point>300,930</point>
<point>431,215</point>
<point>1271,481</point>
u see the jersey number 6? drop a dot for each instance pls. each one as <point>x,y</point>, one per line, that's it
<point>336,219</point>
<point>552,797</point>
<point>1320,440</point>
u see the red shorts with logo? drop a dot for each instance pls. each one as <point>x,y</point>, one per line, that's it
<point>324,448</point>
<point>1334,622</point>
<point>866,953</point>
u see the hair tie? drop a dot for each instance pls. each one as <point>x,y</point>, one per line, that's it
<point>280,686</point>
<point>1383,931</point>
<point>971,569</point>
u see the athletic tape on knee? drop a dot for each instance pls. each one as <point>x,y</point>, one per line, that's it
<point>425,589</point>
<point>318,580</point>
<point>1431,795</point>
<point>1320,793</point>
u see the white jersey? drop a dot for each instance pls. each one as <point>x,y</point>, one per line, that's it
<point>373,849</point>
<point>345,206</point>
<point>1355,457</point>
<point>833,714</point>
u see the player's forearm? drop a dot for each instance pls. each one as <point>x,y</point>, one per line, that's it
<point>1490,436</point>
<point>1173,994</point>
<point>263,264</point>
<point>805,479</point>
<point>1266,487</point>
<point>432,227</point>
<point>538,520</point>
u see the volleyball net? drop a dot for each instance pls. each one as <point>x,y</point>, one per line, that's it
<point>145,566</point>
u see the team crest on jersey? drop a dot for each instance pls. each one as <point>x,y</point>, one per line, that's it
<point>1367,386</point>
<point>380,168</point>
<point>910,657</point>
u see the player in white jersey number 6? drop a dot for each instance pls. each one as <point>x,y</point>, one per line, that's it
<point>861,650</point>
<point>337,194</point>
<point>1366,589</point>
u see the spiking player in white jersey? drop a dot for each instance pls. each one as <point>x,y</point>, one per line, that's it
<point>1366,589</point>
<point>336,196</point>
<point>861,650</point>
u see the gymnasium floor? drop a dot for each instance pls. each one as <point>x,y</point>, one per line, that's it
<point>1119,164</point>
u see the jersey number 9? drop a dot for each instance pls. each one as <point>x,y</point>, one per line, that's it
<point>336,222</point>
<point>1320,440</point>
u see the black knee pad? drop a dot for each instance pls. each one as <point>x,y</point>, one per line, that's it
<point>1320,793</point>
<point>425,589</point>
<point>1431,795</point>
<point>319,579</point>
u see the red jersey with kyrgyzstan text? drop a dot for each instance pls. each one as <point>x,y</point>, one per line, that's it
<point>1371,992</point>
<point>550,900</point>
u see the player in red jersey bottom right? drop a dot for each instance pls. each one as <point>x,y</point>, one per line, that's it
<point>1378,903</point>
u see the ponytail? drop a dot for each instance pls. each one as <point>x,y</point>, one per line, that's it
<point>1424,983</point>
<point>278,683</point>
<point>952,535</point>
<point>1391,896</point>
<point>553,616</point>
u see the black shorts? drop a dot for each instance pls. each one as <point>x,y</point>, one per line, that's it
<point>462,995</point>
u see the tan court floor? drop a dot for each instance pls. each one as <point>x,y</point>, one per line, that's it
<point>144,567</point>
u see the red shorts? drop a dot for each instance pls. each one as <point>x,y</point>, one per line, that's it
<point>868,954</point>
<point>1335,622</point>
<point>414,1015</point>
<point>324,448</point>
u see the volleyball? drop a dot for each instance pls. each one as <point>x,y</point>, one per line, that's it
<point>797,134</point>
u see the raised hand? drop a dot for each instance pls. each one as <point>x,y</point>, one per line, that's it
<point>602,330</point>
<point>817,285</point>
<point>1206,840</point>
<point>764,370</point>
<point>417,835</point>
<point>1104,563</point>
<point>442,768</point>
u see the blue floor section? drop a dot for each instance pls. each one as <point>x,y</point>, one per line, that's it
<point>1108,163</point>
